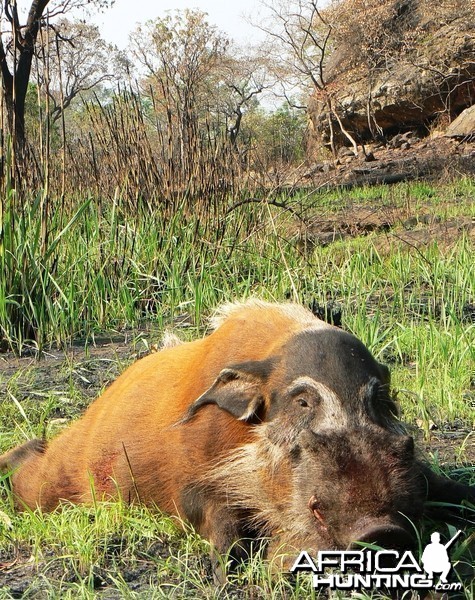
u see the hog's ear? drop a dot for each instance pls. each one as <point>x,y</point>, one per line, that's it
<point>385,374</point>
<point>238,390</point>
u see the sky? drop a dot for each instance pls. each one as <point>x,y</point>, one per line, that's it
<point>228,15</point>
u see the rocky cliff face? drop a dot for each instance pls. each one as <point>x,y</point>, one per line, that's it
<point>426,73</point>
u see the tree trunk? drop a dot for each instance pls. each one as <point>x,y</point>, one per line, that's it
<point>15,96</point>
<point>234,129</point>
<point>15,84</point>
<point>22,78</point>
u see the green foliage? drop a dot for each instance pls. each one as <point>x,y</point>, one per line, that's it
<point>100,268</point>
<point>278,136</point>
<point>30,296</point>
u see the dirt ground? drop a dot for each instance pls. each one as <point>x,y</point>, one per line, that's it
<point>404,157</point>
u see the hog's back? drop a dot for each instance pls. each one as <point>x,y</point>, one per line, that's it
<point>128,442</point>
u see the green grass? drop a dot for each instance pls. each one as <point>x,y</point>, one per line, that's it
<point>101,269</point>
<point>77,552</point>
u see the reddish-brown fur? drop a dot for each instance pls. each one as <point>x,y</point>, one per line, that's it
<point>127,442</point>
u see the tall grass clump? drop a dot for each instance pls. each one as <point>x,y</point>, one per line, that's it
<point>30,260</point>
<point>102,267</point>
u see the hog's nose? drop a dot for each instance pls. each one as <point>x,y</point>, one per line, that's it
<point>390,537</point>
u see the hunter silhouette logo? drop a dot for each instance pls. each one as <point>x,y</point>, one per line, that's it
<point>435,557</point>
<point>388,569</point>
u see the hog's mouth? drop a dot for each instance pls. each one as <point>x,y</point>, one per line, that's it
<point>385,532</point>
<point>315,508</point>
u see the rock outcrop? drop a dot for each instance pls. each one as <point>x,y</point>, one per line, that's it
<point>426,73</point>
<point>464,124</point>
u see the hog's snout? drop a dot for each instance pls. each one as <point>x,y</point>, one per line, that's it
<point>388,536</point>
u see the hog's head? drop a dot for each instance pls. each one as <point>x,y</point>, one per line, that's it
<point>332,489</point>
<point>317,378</point>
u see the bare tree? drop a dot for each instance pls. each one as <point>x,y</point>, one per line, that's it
<point>299,38</point>
<point>242,78</point>
<point>180,54</point>
<point>301,34</point>
<point>73,58</point>
<point>18,43</point>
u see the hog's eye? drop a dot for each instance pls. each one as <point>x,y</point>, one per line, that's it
<point>302,402</point>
